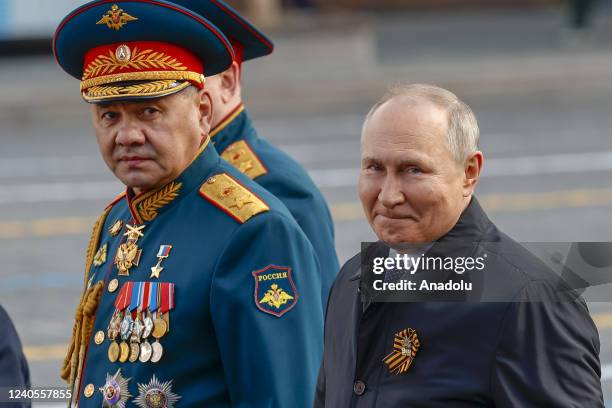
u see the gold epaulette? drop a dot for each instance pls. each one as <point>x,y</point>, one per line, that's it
<point>229,195</point>
<point>242,157</point>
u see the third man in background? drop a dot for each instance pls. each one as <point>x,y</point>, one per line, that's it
<point>237,141</point>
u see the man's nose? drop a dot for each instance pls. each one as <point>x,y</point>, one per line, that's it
<point>129,133</point>
<point>391,193</point>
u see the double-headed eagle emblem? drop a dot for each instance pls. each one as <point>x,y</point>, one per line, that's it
<point>116,18</point>
<point>276,297</point>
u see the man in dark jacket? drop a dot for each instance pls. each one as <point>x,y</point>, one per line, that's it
<point>510,339</point>
<point>14,371</point>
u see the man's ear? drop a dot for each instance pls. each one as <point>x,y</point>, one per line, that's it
<point>472,168</point>
<point>205,107</point>
<point>230,83</point>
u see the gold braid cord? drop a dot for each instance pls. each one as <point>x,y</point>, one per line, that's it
<point>88,302</point>
<point>140,60</point>
<point>148,208</point>
<point>81,332</point>
<point>107,80</point>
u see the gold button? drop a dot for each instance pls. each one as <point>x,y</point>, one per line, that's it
<point>89,390</point>
<point>99,339</point>
<point>113,285</point>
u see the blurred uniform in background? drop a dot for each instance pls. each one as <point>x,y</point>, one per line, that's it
<point>580,17</point>
<point>201,290</point>
<point>14,372</point>
<point>580,14</point>
<point>237,141</point>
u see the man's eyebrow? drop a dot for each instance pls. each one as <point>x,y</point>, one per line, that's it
<point>404,162</point>
<point>411,162</point>
<point>370,159</point>
<point>105,105</point>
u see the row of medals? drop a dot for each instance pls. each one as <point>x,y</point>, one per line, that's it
<point>134,335</point>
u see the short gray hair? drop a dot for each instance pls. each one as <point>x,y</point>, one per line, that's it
<point>463,134</point>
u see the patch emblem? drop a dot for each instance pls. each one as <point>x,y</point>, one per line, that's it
<point>405,346</point>
<point>275,292</point>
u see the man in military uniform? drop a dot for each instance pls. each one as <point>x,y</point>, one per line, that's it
<point>237,141</point>
<point>520,339</point>
<point>201,290</point>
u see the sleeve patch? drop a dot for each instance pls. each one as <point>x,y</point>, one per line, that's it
<point>275,291</point>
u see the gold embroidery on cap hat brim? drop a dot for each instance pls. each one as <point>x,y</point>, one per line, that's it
<point>143,76</point>
<point>149,89</point>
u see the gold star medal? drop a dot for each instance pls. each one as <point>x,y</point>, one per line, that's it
<point>163,253</point>
<point>405,346</point>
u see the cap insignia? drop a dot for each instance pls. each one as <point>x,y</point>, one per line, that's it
<point>116,18</point>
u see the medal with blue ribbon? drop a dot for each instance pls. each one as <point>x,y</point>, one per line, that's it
<point>137,326</point>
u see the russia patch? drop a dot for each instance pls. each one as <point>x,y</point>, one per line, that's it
<point>275,291</point>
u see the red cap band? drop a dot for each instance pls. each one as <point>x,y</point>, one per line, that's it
<point>140,60</point>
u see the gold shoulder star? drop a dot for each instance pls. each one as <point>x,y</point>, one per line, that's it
<point>241,201</point>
